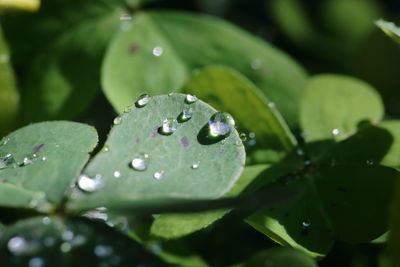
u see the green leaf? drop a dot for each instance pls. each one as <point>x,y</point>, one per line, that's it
<point>17,197</point>
<point>287,224</point>
<point>392,157</point>
<point>9,96</point>
<point>45,159</point>
<point>26,5</point>
<point>178,225</point>
<point>131,69</point>
<point>334,105</point>
<point>53,86</point>
<point>281,257</point>
<point>390,29</point>
<point>394,235</point>
<point>53,241</point>
<point>347,191</point>
<point>138,133</point>
<point>226,89</point>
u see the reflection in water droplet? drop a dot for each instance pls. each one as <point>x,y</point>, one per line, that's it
<point>117,120</point>
<point>221,124</point>
<point>158,51</point>
<point>117,174</point>
<point>158,175</point>
<point>7,161</point>
<point>142,100</point>
<point>103,251</point>
<point>17,245</point>
<point>139,164</point>
<point>306,224</point>
<point>169,126</point>
<point>335,131</point>
<point>190,98</point>
<point>36,262</point>
<point>88,184</point>
<point>186,114</point>
<point>195,165</point>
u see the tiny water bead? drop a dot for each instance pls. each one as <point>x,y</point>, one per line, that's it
<point>7,161</point>
<point>186,114</point>
<point>251,141</point>
<point>256,64</point>
<point>271,104</point>
<point>169,126</point>
<point>117,174</point>
<point>36,262</point>
<point>158,51</point>
<point>117,120</point>
<point>88,184</point>
<point>139,163</point>
<point>29,159</point>
<point>243,137</point>
<point>17,245</point>
<point>195,165</point>
<point>102,251</point>
<point>221,124</point>
<point>306,224</point>
<point>335,131</point>
<point>189,99</point>
<point>158,175</point>
<point>142,100</point>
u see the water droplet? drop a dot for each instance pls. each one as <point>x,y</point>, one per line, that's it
<point>117,174</point>
<point>307,163</point>
<point>238,143</point>
<point>36,262</point>
<point>44,158</point>
<point>271,104</point>
<point>195,165</point>
<point>370,162</point>
<point>189,99</point>
<point>221,124</point>
<point>125,22</point>
<point>139,164</point>
<point>335,131</point>
<point>256,64</point>
<point>127,109</point>
<point>142,100</point>
<point>158,51</point>
<point>7,161</point>
<point>46,220</point>
<point>158,175</point>
<point>186,114</point>
<point>306,224</point>
<point>103,251</point>
<point>29,159</point>
<point>17,245</point>
<point>88,184</point>
<point>67,235</point>
<point>251,141</point>
<point>169,126</point>
<point>300,152</point>
<point>243,137</point>
<point>117,120</point>
<point>105,148</point>
<point>65,247</point>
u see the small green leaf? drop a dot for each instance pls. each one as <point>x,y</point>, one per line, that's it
<point>281,257</point>
<point>146,165</point>
<point>178,225</point>
<point>390,29</point>
<point>9,96</point>
<point>45,158</point>
<point>53,241</point>
<point>156,55</point>
<point>334,105</point>
<point>226,89</point>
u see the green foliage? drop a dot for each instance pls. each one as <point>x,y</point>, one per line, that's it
<point>390,29</point>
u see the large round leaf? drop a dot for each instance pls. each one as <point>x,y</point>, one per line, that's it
<point>44,159</point>
<point>187,164</point>
<point>160,48</point>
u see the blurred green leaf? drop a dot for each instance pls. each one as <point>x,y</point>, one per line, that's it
<point>44,160</point>
<point>9,96</point>
<point>334,105</point>
<point>394,235</point>
<point>170,174</point>
<point>280,257</point>
<point>52,241</point>
<point>27,5</point>
<point>156,55</point>
<point>390,29</point>
<point>226,89</point>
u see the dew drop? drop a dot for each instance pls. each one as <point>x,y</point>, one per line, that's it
<point>370,162</point>
<point>117,174</point>
<point>158,175</point>
<point>88,184</point>
<point>17,245</point>
<point>103,251</point>
<point>169,126</point>
<point>256,64</point>
<point>139,164</point>
<point>36,262</point>
<point>44,158</point>
<point>271,104</point>
<point>243,137</point>
<point>142,100</point>
<point>189,99</point>
<point>158,51</point>
<point>7,161</point>
<point>195,165</point>
<point>306,224</point>
<point>251,141</point>
<point>117,120</point>
<point>335,131</point>
<point>46,220</point>
<point>128,109</point>
<point>186,114</point>
<point>221,124</point>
